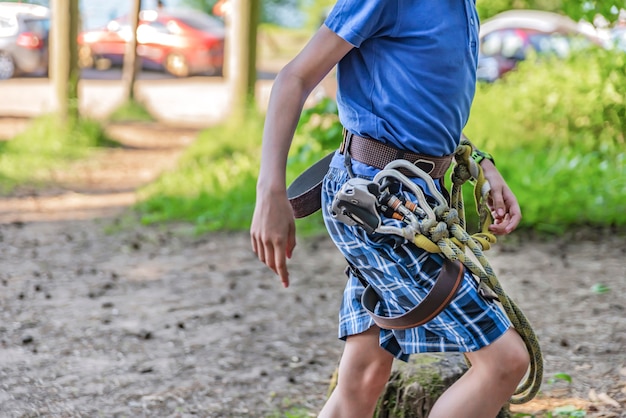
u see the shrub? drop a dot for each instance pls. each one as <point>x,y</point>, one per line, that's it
<point>557,130</point>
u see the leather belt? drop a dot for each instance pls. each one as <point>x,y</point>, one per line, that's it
<point>436,300</point>
<point>305,193</point>
<point>377,154</point>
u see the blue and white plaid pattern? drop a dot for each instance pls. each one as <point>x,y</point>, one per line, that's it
<point>403,274</point>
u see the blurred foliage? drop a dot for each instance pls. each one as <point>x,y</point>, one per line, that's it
<point>557,130</point>
<point>576,9</point>
<point>321,124</point>
<point>316,11</point>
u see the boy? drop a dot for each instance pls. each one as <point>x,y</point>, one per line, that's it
<point>406,79</point>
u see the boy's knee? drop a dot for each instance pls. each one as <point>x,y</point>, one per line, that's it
<point>367,382</point>
<point>514,360</point>
<point>517,362</point>
<point>507,360</point>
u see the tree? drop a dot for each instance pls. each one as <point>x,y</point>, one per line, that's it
<point>131,63</point>
<point>241,48</point>
<point>64,57</point>
<point>578,9</point>
<point>241,52</point>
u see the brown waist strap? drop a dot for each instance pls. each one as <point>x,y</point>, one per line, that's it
<point>375,153</point>
<point>436,300</point>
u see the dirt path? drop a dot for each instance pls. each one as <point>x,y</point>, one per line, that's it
<point>154,322</point>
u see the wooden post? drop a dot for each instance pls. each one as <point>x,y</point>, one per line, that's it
<point>64,68</point>
<point>241,53</point>
<point>131,62</point>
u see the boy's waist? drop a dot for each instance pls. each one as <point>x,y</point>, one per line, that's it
<point>377,154</point>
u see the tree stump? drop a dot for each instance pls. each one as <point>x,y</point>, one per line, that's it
<point>414,387</point>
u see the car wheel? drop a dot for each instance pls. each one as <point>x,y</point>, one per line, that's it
<point>177,65</point>
<point>85,57</point>
<point>7,66</point>
<point>215,71</point>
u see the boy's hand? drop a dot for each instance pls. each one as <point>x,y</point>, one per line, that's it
<point>273,233</point>
<point>502,202</point>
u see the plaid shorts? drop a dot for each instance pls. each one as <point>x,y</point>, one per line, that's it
<point>402,275</point>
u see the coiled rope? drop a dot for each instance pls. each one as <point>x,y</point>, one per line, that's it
<point>440,228</point>
<point>446,234</point>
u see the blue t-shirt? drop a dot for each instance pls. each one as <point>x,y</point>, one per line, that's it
<point>410,79</point>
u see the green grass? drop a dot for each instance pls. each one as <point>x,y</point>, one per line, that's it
<point>214,187</point>
<point>131,111</point>
<point>46,144</point>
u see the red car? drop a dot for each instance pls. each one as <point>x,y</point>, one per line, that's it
<point>182,42</point>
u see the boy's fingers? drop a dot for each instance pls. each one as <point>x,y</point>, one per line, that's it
<point>497,202</point>
<point>278,263</point>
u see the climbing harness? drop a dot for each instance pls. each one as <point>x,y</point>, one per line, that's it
<point>437,228</point>
<point>305,192</point>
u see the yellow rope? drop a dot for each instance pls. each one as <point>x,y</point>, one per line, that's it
<point>447,235</point>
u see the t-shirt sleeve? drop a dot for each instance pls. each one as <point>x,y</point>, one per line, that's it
<point>357,20</point>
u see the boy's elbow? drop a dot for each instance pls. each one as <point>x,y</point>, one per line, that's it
<point>291,81</point>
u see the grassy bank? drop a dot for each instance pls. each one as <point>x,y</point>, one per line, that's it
<point>46,144</point>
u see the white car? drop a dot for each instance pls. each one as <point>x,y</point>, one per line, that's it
<point>24,30</point>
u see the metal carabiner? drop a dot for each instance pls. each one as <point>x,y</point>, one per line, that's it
<point>404,180</point>
<point>430,183</point>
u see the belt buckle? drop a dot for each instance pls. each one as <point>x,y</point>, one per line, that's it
<point>420,162</point>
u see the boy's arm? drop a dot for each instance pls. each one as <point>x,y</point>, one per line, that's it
<point>273,227</point>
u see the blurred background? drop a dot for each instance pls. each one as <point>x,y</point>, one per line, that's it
<point>152,113</point>
<point>551,88</point>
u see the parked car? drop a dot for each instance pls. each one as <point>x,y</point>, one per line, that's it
<point>509,37</point>
<point>181,42</point>
<point>24,31</point>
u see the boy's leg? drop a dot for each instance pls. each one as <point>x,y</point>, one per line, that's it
<point>363,372</point>
<point>495,373</point>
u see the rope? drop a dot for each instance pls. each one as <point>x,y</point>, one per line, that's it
<point>447,235</point>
